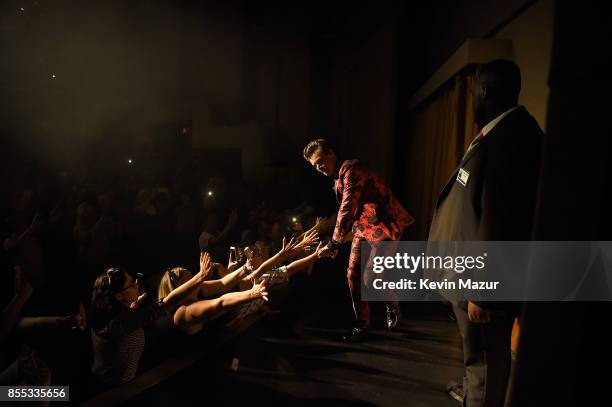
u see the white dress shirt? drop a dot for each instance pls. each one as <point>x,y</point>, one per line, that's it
<point>489,126</point>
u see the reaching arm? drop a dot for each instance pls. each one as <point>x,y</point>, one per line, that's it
<point>309,238</point>
<point>305,262</point>
<point>325,226</point>
<point>306,240</point>
<point>272,261</point>
<point>139,316</point>
<point>184,291</point>
<point>215,287</point>
<point>206,310</point>
<point>232,263</point>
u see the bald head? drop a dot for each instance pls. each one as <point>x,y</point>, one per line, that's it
<point>496,89</point>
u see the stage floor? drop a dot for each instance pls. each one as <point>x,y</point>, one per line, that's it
<point>289,361</point>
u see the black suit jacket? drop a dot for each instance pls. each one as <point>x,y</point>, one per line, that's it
<point>498,200</point>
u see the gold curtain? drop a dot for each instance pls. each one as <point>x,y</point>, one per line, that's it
<point>441,129</point>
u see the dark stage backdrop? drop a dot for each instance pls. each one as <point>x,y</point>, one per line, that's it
<point>565,347</point>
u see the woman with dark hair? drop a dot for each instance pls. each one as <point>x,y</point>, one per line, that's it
<point>117,316</point>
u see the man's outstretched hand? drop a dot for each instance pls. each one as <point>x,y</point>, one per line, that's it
<point>327,251</point>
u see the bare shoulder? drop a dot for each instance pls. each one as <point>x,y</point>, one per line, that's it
<point>184,321</point>
<point>180,315</point>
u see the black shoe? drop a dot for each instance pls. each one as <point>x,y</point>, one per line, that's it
<point>357,334</point>
<point>394,314</point>
<point>455,390</point>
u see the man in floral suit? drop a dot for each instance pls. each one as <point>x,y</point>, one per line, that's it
<point>368,212</point>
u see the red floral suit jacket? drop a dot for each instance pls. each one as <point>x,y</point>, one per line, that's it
<point>367,206</point>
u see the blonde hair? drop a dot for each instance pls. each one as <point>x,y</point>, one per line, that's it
<point>173,278</point>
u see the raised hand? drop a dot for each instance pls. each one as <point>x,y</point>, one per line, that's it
<point>205,265</point>
<point>319,249</point>
<point>288,248</point>
<point>309,238</point>
<point>232,262</point>
<point>260,290</point>
<point>326,251</point>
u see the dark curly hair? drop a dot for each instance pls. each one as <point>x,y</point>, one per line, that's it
<point>104,306</point>
<point>315,145</point>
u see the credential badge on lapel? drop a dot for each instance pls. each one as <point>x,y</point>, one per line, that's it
<point>463,176</point>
